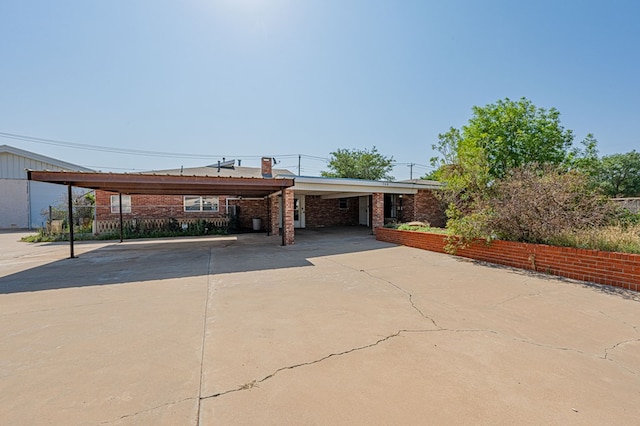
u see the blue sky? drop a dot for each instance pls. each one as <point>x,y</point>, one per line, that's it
<point>246,78</point>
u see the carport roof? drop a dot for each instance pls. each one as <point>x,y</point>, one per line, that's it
<point>134,183</point>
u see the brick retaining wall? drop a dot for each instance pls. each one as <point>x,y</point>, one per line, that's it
<point>602,267</point>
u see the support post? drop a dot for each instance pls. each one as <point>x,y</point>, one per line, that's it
<point>282,210</point>
<point>268,200</point>
<point>70,218</point>
<point>121,221</point>
<point>287,218</point>
<point>377,208</point>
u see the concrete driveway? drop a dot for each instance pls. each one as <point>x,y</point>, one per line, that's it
<point>336,329</point>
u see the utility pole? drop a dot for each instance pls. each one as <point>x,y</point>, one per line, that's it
<point>410,165</point>
<point>299,157</point>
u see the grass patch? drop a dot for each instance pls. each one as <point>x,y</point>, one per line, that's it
<point>43,237</point>
<point>623,239</point>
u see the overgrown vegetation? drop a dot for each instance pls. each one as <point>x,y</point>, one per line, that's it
<point>43,236</point>
<point>534,204</point>
<point>624,239</point>
<point>513,173</point>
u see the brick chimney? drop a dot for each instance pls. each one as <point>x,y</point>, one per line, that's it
<point>266,167</point>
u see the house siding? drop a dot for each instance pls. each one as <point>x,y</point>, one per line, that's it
<point>171,206</point>
<point>424,207</point>
<point>247,210</point>
<point>321,212</point>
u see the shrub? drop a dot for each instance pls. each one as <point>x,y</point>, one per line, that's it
<point>535,205</point>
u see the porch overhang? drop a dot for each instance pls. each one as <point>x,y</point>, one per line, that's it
<point>342,188</point>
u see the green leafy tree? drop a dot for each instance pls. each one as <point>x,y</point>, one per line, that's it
<point>514,133</point>
<point>359,164</point>
<point>618,175</point>
<point>585,159</point>
<point>499,138</point>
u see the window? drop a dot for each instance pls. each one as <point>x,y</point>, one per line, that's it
<point>200,204</point>
<point>126,204</point>
<point>343,203</point>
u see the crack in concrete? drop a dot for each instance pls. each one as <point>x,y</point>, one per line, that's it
<point>254,383</point>
<point>409,295</point>
<point>543,345</point>
<point>204,331</point>
<point>413,305</point>
<point>606,355</point>
<point>511,299</point>
<point>166,404</point>
<point>606,350</point>
<point>633,327</point>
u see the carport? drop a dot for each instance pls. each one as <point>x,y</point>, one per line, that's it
<point>150,184</point>
<point>370,195</point>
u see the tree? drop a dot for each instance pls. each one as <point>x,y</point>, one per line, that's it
<point>510,134</point>
<point>618,175</point>
<point>584,159</point>
<point>498,138</point>
<point>359,164</point>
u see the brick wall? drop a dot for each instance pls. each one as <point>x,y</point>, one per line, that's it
<point>609,268</point>
<point>142,206</point>
<point>320,212</point>
<point>165,206</point>
<point>153,207</point>
<point>423,207</point>
<point>247,210</point>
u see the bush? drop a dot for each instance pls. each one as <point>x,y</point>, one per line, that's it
<point>535,206</point>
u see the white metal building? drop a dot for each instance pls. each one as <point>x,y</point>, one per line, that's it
<point>21,201</point>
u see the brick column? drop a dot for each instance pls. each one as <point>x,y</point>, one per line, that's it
<point>287,226</point>
<point>377,211</point>
<point>274,201</point>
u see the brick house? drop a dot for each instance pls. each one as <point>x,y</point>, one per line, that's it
<point>313,202</point>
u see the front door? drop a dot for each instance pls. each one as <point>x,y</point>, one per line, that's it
<point>364,210</point>
<point>298,211</point>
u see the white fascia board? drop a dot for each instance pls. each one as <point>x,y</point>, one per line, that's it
<point>335,195</point>
<point>357,186</point>
<point>327,187</point>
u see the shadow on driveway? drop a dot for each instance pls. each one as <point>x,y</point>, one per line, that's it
<point>153,260</point>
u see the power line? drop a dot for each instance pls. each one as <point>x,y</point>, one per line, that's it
<point>102,148</point>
